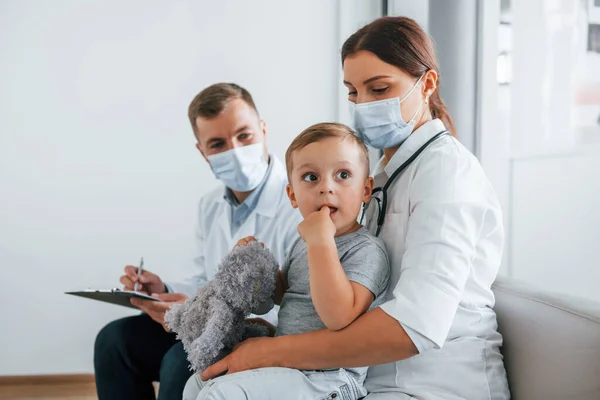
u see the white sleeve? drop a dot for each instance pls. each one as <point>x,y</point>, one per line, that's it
<point>191,284</point>
<point>421,342</point>
<point>448,206</point>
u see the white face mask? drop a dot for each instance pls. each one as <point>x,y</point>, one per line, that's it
<point>380,124</point>
<point>240,169</point>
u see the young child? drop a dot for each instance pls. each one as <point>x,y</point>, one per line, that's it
<point>335,271</point>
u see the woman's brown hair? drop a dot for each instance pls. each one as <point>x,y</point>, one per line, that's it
<point>401,42</point>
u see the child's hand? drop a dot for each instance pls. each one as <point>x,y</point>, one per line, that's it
<point>245,241</point>
<point>318,227</point>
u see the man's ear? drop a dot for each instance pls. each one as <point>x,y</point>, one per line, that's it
<point>263,127</point>
<point>201,152</point>
<point>369,183</point>
<point>291,195</point>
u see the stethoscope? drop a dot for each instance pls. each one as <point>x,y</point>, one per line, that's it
<point>382,203</point>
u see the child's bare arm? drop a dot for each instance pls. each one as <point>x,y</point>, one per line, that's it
<point>338,301</point>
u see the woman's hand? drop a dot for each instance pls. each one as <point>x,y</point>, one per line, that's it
<point>250,354</point>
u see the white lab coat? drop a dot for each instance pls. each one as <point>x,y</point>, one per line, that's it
<point>273,222</point>
<point>444,236</point>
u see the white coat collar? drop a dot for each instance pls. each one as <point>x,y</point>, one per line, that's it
<point>416,139</point>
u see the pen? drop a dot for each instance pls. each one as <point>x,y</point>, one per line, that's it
<point>139,273</point>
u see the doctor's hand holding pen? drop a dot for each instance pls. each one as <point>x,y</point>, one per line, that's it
<point>141,280</point>
<point>147,282</point>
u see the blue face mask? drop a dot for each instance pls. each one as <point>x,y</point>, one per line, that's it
<point>380,124</point>
<point>240,169</point>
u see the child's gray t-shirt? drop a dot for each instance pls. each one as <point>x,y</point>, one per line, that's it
<point>364,260</point>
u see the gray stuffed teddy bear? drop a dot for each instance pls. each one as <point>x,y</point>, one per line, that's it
<point>212,322</point>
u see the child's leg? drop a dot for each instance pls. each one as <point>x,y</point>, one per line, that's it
<point>192,387</point>
<point>281,383</point>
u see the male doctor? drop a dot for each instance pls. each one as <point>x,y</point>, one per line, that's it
<point>131,353</point>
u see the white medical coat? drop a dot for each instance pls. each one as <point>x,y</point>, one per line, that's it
<point>444,236</point>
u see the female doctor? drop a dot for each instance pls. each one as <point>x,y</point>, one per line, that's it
<point>436,336</point>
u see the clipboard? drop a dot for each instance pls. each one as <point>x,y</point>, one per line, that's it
<point>113,296</point>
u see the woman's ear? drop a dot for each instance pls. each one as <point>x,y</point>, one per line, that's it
<point>369,183</point>
<point>291,195</point>
<point>429,83</point>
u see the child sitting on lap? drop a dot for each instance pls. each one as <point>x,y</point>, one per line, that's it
<point>335,271</point>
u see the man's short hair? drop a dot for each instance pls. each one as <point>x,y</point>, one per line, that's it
<point>211,102</point>
<point>319,132</point>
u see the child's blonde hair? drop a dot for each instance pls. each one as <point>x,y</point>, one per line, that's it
<point>325,130</point>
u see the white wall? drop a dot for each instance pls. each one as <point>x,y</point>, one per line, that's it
<point>97,158</point>
<point>419,10</point>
